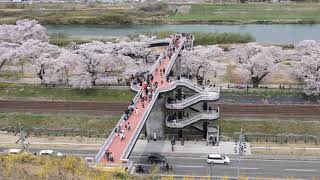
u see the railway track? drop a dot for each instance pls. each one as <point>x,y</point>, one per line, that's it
<point>119,107</point>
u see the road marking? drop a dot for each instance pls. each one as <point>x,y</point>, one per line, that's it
<point>301,170</point>
<point>183,166</point>
<point>186,166</point>
<point>244,168</point>
<point>278,147</point>
<point>280,160</point>
<point>171,157</point>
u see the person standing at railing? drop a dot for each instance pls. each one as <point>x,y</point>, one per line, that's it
<point>107,154</point>
<point>111,157</point>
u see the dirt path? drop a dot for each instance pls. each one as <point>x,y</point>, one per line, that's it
<point>117,108</point>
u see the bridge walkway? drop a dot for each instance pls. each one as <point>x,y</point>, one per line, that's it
<point>121,149</point>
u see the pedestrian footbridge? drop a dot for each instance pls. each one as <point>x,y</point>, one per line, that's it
<point>121,148</point>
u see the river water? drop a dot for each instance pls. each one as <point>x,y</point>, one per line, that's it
<point>269,34</point>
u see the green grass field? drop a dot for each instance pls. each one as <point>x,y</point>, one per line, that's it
<point>59,123</point>
<point>252,13</point>
<point>28,92</point>
<point>78,124</point>
<point>99,13</point>
<point>70,13</point>
<point>272,126</point>
<point>263,92</point>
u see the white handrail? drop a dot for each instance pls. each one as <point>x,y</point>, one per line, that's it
<point>174,57</point>
<point>112,134</point>
<point>181,104</point>
<point>193,119</point>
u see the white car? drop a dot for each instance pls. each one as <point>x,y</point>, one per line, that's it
<point>14,151</point>
<point>218,159</point>
<point>50,153</point>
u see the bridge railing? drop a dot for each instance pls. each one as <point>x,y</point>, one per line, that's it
<point>132,142</point>
<point>112,135</point>
<point>174,57</point>
<point>204,96</point>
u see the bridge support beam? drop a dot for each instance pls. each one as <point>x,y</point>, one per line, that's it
<point>155,121</point>
<point>205,129</point>
<point>180,134</point>
<point>179,94</point>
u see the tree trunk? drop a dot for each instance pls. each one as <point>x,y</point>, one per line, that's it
<point>255,82</point>
<point>2,63</point>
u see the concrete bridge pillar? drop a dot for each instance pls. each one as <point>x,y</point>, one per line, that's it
<point>179,94</point>
<point>205,128</point>
<point>156,120</point>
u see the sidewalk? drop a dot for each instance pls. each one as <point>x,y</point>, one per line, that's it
<point>190,148</point>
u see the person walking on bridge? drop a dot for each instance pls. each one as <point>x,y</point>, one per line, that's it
<point>129,127</point>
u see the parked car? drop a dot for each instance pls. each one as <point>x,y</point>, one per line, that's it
<point>218,159</point>
<point>14,151</point>
<point>50,153</point>
<point>156,158</point>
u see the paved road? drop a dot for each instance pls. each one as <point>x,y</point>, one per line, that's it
<point>250,168</point>
<point>116,108</point>
<point>82,153</point>
<point>197,166</point>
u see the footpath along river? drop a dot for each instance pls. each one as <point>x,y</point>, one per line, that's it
<point>267,34</point>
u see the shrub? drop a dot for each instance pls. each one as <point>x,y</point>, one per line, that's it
<point>154,7</point>
<point>221,38</point>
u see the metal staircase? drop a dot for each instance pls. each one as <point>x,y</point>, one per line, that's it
<point>181,123</point>
<point>203,96</point>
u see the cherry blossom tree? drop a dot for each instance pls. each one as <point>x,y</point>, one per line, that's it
<point>40,55</point>
<point>102,61</point>
<point>308,69</point>
<point>201,60</point>
<point>22,31</point>
<point>256,60</point>
<point>8,52</point>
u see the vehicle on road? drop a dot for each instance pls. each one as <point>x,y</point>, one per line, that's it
<point>140,169</point>
<point>218,159</point>
<point>14,151</point>
<point>50,153</point>
<point>156,158</point>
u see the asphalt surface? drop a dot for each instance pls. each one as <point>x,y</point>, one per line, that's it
<point>254,168</point>
<point>197,166</point>
<point>117,108</point>
<point>81,153</point>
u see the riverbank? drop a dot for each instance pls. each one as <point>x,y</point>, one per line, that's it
<point>160,13</point>
<point>250,13</point>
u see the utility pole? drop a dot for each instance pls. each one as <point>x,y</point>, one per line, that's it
<point>211,170</point>
<point>240,148</point>
<point>22,139</point>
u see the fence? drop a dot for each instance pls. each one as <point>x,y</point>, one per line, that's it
<point>58,132</point>
<point>281,139</point>
<point>263,86</point>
